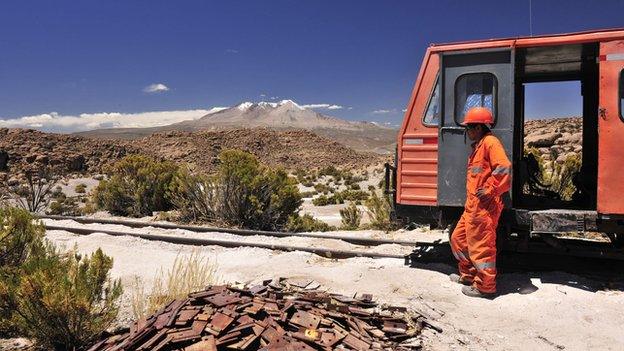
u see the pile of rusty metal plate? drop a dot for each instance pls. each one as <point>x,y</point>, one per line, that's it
<point>270,316</point>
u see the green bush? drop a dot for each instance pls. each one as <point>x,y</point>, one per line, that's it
<point>81,188</point>
<point>331,171</point>
<point>558,177</point>
<point>64,302</point>
<point>242,193</point>
<point>323,200</point>
<point>323,188</point>
<point>64,206</point>
<point>136,187</point>
<point>378,210</point>
<point>306,223</point>
<point>351,217</point>
<point>355,186</point>
<point>307,194</point>
<point>354,195</point>
<point>20,237</point>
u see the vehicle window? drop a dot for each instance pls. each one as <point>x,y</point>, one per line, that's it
<point>432,116</point>
<point>621,94</point>
<point>473,90</point>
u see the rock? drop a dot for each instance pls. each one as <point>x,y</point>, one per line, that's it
<point>13,181</point>
<point>542,140</point>
<point>4,161</point>
<point>77,164</point>
<point>576,138</point>
<point>43,159</point>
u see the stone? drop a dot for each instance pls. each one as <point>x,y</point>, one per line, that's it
<point>4,161</point>
<point>542,140</point>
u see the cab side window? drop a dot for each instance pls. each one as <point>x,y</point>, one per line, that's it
<point>621,95</point>
<point>474,90</point>
<point>432,115</point>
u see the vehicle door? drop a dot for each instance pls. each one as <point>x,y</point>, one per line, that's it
<point>611,128</point>
<point>470,79</point>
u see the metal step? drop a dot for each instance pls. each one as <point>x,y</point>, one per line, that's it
<point>557,221</point>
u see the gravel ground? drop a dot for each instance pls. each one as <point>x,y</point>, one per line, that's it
<point>536,311</point>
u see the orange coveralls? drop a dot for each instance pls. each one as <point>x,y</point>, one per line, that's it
<point>474,239</point>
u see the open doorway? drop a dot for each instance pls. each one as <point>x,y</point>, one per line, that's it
<point>556,92</point>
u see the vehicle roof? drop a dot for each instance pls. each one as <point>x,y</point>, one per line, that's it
<point>542,40</point>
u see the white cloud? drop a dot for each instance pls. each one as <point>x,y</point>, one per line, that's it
<point>155,88</point>
<point>54,122</point>
<point>323,106</point>
<point>381,112</point>
<point>231,51</point>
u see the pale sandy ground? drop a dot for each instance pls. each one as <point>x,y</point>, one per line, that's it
<point>538,311</point>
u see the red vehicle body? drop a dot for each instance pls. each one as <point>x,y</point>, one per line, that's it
<point>429,172</point>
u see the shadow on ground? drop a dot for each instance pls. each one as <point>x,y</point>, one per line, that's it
<point>517,269</point>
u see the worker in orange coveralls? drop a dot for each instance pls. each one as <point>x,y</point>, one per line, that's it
<point>489,176</point>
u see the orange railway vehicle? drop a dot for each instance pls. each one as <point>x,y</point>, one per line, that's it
<point>427,181</point>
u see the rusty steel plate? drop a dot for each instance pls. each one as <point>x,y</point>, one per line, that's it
<point>305,319</point>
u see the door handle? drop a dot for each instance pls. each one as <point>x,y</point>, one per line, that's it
<point>603,113</point>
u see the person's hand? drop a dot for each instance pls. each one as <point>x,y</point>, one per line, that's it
<point>483,193</point>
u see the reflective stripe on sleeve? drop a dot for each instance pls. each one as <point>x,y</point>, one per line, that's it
<point>476,169</point>
<point>501,170</point>
<point>484,265</point>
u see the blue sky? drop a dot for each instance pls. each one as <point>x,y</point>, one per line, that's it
<point>74,57</point>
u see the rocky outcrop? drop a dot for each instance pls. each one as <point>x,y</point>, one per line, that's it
<point>22,150</point>
<point>555,138</point>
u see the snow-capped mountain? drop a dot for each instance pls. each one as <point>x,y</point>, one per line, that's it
<point>285,114</point>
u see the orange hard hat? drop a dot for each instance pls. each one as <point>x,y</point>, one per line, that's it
<point>481,115</point>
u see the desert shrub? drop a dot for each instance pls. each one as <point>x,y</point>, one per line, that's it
<point>382,183</point>
<point>88,208</point>
<point>323,188</point>
<point>340,197</point>
<point>351,179</point>
<point>189,274</point>
<point>322,200</point>
<point>242,193</point>
<point>34,194</point>
<point>307,183</point>
<point>308,194</point>
<point>306,223</point>
<point>63,301</point>
<point>195,196</point>
<point>20,237</point>
<point>562,177</point>
<point>355,186</point>
<point>378,210</point>
<point>57,193</point>
<point>354,195</point>
<point>81,188</point>
<point>351,217</point>
<point>557,177</point>
<point>301,175</point>
<point>371,188</point>
<point>136,186</point>
<point>330,171</point>
<point>66,206</point>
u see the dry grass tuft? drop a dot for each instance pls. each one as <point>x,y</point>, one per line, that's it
<point>188,274</point>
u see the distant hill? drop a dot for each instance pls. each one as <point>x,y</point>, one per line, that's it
<point>283,115</point>
<point>26,149</point>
